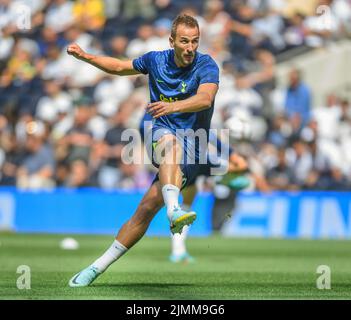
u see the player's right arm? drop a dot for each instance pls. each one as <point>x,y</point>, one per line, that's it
<point>107,64</point>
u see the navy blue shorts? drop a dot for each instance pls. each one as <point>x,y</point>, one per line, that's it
<point>190,170</point>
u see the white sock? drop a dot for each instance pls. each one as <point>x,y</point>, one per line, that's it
<point>178,240</point>
<point>170,196</point>
<point>115,251</point>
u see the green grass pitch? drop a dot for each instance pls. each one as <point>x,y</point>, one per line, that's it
<point>225,268</point>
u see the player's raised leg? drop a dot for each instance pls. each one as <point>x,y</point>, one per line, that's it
<point>235,178</point>
<point>130,233</point>
<point>169,154</point>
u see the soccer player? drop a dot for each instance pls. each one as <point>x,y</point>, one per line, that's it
<point>183,84</point>
<point>234,179</point>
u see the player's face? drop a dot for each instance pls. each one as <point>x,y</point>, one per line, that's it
<point>185,45</point>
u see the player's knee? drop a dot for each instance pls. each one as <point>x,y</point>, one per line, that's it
<point>167,138</point>
<point>168,150</point>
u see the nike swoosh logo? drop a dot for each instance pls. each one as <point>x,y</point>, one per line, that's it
<point>75,278</point>
<point>158,80</point>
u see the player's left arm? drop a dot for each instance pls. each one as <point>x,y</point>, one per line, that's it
<point>202,100</point>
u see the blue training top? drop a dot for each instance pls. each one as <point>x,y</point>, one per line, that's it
<point>168,82</point>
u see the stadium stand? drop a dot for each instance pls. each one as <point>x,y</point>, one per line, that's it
<point>300,112</point>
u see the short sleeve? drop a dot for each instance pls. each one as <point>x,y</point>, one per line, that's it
<point>142,64</point>
<point>209,72</point>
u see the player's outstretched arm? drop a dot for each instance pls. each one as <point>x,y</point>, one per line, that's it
<point>202,100</point>
<point>107,64</point>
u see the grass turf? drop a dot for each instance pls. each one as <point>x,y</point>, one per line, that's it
<point>225,268</point>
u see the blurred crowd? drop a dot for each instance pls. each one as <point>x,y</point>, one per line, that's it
<point>61,120</point>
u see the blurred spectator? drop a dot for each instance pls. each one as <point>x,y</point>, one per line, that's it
<point>294,34</point>
<point>338,181</point>
<point>78,175</point>
<point>110,92</point>
<point>214,24</point>
<point>37,168</point>
<point>118,45</point>
<point>112,8</point>
<point>49,38</point>
<point>268,31</point>
<point>321,27</point>
<point>166,8</point>
<point>298,97</point>
<point>11,154</point>
<point>281,175</point>
<point>79,138</point>
<point>61,173</point>
<point>110,172</point>
<point>59,15</point>
<point>328,118</point>
<point>143,9</point>
<point>162,29</point>
<point>341,9</point>
<point>71,70</point>
<point>7,43</point>
<point>299,158</point>
<point>89,14</point>
<point>280,131</point>
<point>133,177</point>
<point>53,103</point>
<point>20,66</point>
<point>141,44</point>
<point>306,7</point>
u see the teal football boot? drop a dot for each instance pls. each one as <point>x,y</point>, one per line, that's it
<point>85,277</point>
<point>185,258</point>
<point>235,181</point>
<point>181,218</point>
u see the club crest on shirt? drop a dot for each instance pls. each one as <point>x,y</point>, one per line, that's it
<point>183,86</point>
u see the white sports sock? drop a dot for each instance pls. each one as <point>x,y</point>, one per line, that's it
<point>170,196</point>
<point>178,242</point>
<point>115,251</point>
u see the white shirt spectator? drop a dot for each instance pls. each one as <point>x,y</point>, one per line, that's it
<point>114,89</point>
<point>34,5</point>
<point>140,44</point>
<point>271,27</point>
<point>6,46</point>
<point>213,29</point>
<point>158,44</point>
<point>328,119</point>
<point>61,127</point>
<point>98,127</point>
<point>342,11</point>
<point>325,22</point>
<point>301,165</point>
<point>276,5</point>
<point>60,16</point>
<point>48,107</point>
<point>137,47</point>
<point>80,74</point>
<point>332,151</point>
<point>277,99</point>
<point>9,14</point>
